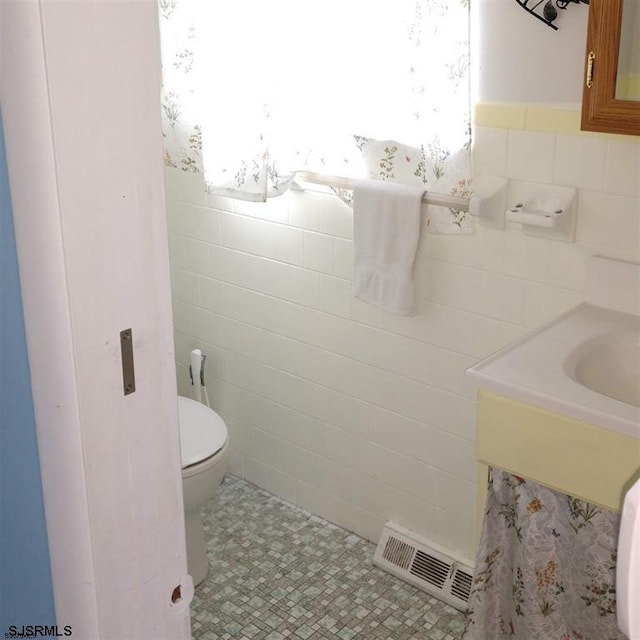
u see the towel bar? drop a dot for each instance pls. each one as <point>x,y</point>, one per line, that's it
<point>438,199</point>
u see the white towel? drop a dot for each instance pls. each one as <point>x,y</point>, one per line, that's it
<point>386,229</point>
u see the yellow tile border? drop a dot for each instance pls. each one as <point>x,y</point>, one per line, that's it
<point>553,120</point>
<point>549,119</point>
<point>535,117</point>
<point>501,116</point>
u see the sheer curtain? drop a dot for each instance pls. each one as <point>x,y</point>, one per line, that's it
<point>254,91</point>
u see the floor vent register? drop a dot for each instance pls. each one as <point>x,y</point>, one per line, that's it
<point>425,565</point>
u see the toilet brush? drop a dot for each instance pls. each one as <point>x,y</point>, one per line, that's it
<point>194,370</point>
<point>197,359</point>
<point>205,395</point>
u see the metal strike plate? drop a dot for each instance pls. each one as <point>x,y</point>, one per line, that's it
<point>128,374</point>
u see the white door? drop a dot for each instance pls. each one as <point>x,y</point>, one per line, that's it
<point>80,99</point>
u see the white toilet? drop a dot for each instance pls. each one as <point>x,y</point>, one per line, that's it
<point>203,446</point>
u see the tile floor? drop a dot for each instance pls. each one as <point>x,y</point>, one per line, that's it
<point>279,572</point>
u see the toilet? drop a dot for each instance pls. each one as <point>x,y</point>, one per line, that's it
<point>203,445</point>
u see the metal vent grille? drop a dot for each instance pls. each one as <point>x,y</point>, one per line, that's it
<point>461,584</point>
<point>430,568</point>
<point>398,552</point>
<point>424,565</point>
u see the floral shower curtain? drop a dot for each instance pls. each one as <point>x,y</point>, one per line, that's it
<point>254,91</point>
<point>545,566</point>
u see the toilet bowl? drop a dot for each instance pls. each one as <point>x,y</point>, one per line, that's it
<point>203,446</point>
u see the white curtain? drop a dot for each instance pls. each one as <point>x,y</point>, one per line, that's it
<point>254,91</point>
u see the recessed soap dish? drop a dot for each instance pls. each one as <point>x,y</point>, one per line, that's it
<point>543,210</point>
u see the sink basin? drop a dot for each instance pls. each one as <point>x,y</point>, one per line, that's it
<point>585,364</point>
<point>608,364</point>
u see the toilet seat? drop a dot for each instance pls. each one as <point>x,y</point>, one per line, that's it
<point>202,431</point>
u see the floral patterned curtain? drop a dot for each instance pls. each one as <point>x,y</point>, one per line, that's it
<point>545,566</point>
<point>254,91</point>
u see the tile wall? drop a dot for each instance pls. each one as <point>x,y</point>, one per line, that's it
<point>355,414</point>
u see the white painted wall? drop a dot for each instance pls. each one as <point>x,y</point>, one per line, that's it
<point>521,59</point>
<point>80,94</point>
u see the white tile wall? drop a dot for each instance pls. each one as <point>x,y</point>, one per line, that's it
<point>356,414</point>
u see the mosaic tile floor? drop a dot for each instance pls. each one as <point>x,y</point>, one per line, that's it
<point>278,572</point>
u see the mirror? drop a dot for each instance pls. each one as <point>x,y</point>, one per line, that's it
<point>628,75</point>
<point>611,96</point>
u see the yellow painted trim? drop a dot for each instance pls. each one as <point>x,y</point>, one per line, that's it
<point>574,457</point>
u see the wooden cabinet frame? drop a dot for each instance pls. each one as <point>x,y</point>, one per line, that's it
<point>600,109</point>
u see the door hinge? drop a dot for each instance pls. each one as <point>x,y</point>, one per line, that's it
<point>589,79</point>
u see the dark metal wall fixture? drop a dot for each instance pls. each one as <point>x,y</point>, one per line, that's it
<point>547,10</point>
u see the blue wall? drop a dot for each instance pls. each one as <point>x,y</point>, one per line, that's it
<point>26,595</point>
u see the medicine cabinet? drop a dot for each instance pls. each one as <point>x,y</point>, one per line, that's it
<point>611,94</point>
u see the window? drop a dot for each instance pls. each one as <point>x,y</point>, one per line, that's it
<point>254,91</point>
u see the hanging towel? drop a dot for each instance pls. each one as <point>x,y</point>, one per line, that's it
<point>386,227</point>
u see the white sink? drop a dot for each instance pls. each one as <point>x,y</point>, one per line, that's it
<point>585,364</point>
<point>608,364</point>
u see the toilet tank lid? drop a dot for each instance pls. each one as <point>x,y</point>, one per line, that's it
<point>202,431</point>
